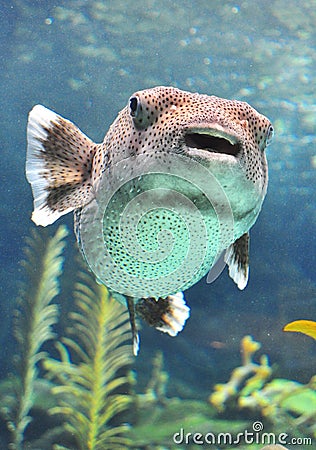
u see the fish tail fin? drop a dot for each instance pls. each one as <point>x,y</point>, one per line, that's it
<point>58,165</point>
<point>165,314</point>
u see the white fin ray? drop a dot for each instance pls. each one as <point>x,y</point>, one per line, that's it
<point>235,273</point>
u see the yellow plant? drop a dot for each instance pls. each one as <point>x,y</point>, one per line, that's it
<point>247,378</point>
<point>34,318</point>
<point>88,388</point>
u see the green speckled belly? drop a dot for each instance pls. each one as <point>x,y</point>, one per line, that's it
<point>155,242</point>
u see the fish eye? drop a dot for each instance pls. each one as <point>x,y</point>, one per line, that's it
<point>135,106</point>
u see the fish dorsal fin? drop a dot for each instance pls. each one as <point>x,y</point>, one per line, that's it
<point>237,259</point>
<point>58,165</point>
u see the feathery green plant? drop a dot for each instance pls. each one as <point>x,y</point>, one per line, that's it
<point>88,389</point>
<point>34,318</point>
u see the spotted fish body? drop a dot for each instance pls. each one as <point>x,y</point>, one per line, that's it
<point>185,172</point>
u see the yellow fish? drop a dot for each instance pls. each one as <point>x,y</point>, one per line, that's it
<point>307,327</point>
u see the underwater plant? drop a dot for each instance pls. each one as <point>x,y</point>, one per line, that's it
<point>90,390</point>
<point>158,418</point>
<point>156,388</point>
<point>89,385</point>
<point>286,404</point>
<point>244,380</point>
<point>34,318</point>
<point>289,404</point>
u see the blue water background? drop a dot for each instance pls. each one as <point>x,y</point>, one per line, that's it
<point>85,58</point>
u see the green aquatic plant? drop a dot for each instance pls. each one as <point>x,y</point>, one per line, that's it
<point>290,404</point>
<point>286,404</point>
<point>34,318</point>
<point>160,422</point>
<point>90,389</point>
<point>156,388</point>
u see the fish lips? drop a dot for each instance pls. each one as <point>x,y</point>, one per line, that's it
<point>213,140</point>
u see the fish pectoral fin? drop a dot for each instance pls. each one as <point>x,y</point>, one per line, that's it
<point>237,259</point>
<point>165,314</point>
<point>135,337</point>
<point>58,165</point>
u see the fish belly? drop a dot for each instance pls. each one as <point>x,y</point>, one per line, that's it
<point>155,237</point>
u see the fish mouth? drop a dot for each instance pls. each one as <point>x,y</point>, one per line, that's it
<point>213,141</point>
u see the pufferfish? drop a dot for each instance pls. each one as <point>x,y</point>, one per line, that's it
<point>177,183</point>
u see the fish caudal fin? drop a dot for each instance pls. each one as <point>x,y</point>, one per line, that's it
<point>58,165</point>
<point>165,314</point>
<point>237,258</point>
